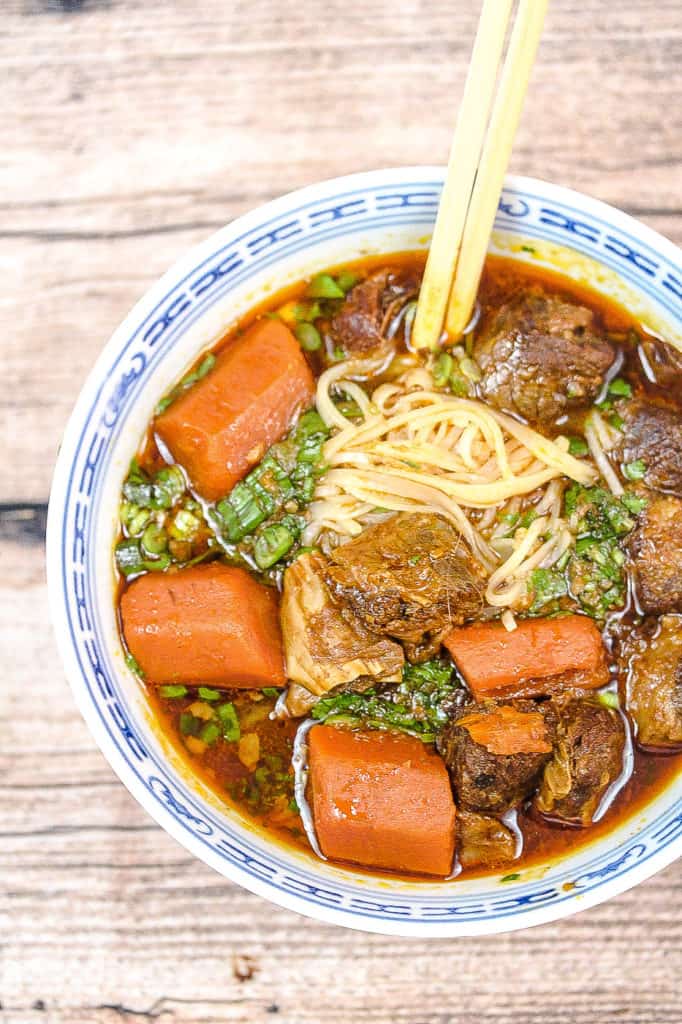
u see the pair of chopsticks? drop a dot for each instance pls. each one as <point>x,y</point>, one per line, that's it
<point>481,147</point>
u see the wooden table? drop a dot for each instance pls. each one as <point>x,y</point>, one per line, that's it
<point>131,129</point>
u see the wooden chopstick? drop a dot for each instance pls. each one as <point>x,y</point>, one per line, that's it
<point>497,149</point>
<point>476,167</point>
<point>467,143</point>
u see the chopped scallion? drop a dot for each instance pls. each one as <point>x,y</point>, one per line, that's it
<point>323,286</point>
<point>208,694</point>
<point>229,722</point>
<point>173,691</point>
<point>308,336</point>
<point>635,470</point>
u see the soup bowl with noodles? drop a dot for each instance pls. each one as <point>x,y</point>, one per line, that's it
<point>543,228</point>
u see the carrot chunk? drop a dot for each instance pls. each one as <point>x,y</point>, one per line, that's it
<point>540,656</point>
<point>212,624</point>
<point>506,730</point>
<point>222,426</point>
<point>381,800</point>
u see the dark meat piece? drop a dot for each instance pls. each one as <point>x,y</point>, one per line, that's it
<point>359,327</point>
<point>652,432</point>
<point>588,757</point>
<point>410,577</point>
<point>655,547</point>
<point>542,357</point>
<point>484,780</point>
<point>654,683</point>
<point>665,363</point>
<point>483,841</point>
<point>323,648</point>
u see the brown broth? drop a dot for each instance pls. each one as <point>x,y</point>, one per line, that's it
<point>219,766</point>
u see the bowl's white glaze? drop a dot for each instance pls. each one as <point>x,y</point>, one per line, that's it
<point>189,309</point>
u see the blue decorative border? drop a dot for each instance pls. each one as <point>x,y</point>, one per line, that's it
<point>159,330</point>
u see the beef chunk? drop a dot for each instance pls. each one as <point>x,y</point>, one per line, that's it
<point>588,757</point>
<point>483,841</point>
<point>665,363</point>
<point>652,433</point>
<point>483,779</point>
<point>655,547</point>
<point>359,327</point>
<point>654,683</point>
<point>409,577</point>
<point>323,648</point>
<point>542,357</point>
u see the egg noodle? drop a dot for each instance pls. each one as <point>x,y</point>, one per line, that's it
<point>410,447</point>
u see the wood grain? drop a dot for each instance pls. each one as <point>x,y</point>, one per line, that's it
<point>129,131</point>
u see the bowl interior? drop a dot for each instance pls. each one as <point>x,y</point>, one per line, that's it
<point>189,309</point>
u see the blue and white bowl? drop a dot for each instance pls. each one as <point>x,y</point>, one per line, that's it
<point>188,310</point>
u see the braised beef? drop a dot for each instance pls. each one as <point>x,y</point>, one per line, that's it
<point>542,357</point>
<point>664,363</point>
<point>655,546</point>
<point>654,682</point>
<point>588,757</point>
<point>323,648</point>
<point>494,782</point>
<point>652,435</point>
<point>410,577</point>
<point>483,840</point>
<point>360,327</point>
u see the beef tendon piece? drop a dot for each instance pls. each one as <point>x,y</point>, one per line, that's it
<point>655,547</point>
<point>654,684</point>
<point>323,649</point>
<point>359,327</point>
<point>588,757</point>
<point>542,357</point>
<point>483,778</point>
<point>411,578</point>
<point>483,841</point>
<point>652,440</point>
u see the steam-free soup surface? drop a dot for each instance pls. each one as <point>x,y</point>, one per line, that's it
<point>450,584</point>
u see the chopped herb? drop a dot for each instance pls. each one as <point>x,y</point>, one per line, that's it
<point>210,733</point>
<point>272,543</point>
<point>346,279</point>
<point>459,385</point>
<point>270,691</point>
<point>419,705</point>
<point>616,421</point>
<point>608,698</point>
<point>528,517</point>
<point>513,877</point>
<point>414,559</point>
<point>229,722</point>
<point>546,585</point>
<point>172,691</point>
<point>634,503</point>
<point>189,725</point>
<point>307,311</point>
<point>442,368</point>
<point>134,665</point>
<point>208,694</point>
<point>635,470</point>
<point>293,806</point>
<point>577,446</point>
<point>338,353</point>
<point>596,570</point>
<point>620,388</point>
<point>323,286</point>
<point>308,336</point>
<point>527,248</point>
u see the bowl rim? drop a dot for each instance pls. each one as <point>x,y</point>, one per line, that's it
<point>91,387</point>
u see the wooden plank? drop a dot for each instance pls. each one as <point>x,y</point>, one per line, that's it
<point>132,131</point>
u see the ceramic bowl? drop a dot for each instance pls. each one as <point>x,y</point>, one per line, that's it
<point>187,310</point>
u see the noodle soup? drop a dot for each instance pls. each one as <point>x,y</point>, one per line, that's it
<point>401,608</point>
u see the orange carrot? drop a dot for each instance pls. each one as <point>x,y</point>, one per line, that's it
<point>212,624</point>
<point>223,425</point>
<point>381,800</point>
<point>529,660</point>
<point>506,730</point>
